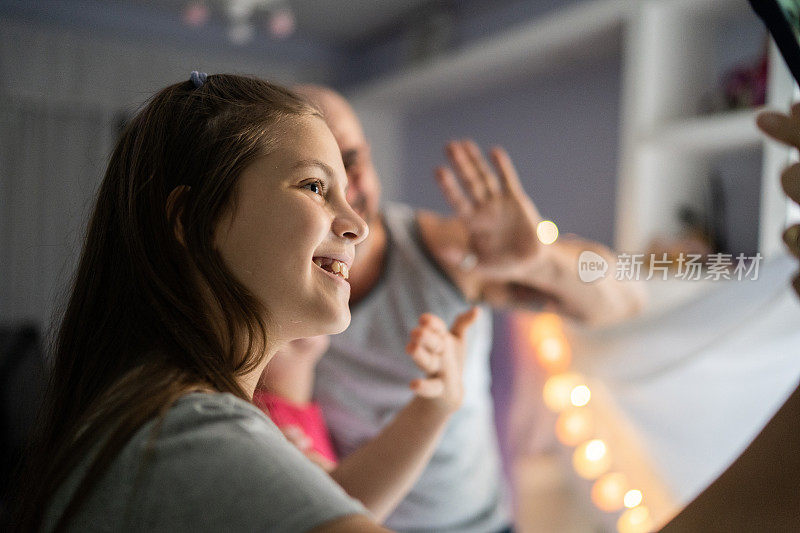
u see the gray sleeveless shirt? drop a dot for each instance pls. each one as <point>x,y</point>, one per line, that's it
<point>362,382</point>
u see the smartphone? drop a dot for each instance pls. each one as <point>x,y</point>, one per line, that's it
<point>782,18</point>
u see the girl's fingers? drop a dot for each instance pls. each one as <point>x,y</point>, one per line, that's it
<point>427,361</point>
<point>428,387</point>
<point>433,321</point>
<point>425,347</point>
<point>464,321</point>
<point>790,181</point>
<point>430,338</point>
<point>791,237</point>
<point>780,127</point>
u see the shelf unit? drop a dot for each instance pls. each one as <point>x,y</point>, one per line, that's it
<point>666,147</point>
<point>708,135</point>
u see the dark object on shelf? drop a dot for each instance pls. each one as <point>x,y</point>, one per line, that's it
<point>746,86</point>
<point>741,87</point>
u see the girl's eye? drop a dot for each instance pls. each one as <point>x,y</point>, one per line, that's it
<point>316,187</point>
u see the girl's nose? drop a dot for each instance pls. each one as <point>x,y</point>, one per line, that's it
<point>349,225</point>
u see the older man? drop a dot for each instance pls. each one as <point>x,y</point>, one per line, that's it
<point>415,262</point>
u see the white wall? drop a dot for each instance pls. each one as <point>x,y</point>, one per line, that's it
<point>61,95</point>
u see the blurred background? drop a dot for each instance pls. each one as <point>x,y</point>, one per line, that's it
<point>631,123</point>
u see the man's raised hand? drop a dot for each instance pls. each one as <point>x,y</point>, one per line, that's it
<point>499,217</point>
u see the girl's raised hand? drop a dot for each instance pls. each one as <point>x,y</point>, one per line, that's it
<point>439,352</point>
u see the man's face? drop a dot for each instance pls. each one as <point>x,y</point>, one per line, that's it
<point>364,188</point>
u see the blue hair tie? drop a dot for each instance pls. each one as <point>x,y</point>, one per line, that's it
<point>198,78</point>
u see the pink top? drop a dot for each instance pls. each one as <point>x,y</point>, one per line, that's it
<point>308,417</point>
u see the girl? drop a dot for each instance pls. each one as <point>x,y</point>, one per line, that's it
<point>220,234</point>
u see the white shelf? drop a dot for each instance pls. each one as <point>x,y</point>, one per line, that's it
<point>709,134</point>
<point>709,8</point>
<point>671,52</point>
<point>583,31</point>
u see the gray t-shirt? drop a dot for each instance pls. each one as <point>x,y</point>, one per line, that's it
<point>362,382</point>
<point>217,464</point>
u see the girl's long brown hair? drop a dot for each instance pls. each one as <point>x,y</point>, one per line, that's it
<point>153,310</point>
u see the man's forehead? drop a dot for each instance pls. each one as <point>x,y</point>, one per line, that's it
<point>346,130</point>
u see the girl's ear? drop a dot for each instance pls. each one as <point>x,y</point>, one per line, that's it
<point>175,209</point>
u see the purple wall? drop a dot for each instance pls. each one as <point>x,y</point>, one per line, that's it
<point>561,131</point>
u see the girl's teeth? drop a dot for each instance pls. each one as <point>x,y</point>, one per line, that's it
<point>337,267</point>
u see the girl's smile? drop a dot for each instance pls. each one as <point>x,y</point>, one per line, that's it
<point>290,234</point>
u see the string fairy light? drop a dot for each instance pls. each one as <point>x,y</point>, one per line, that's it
<point>574,425</point>
<point>608,492</point>
<point>636,520</point>
<point>632,498</point>
<point>547,232</point>
<point>591,459</point>
<point>566,393</point>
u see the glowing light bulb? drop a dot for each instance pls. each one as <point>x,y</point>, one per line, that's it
<point>574,426</point>
<point>553,354</point>
<point>580,396</point>
<point>636,520</point>
<point>547,232</point>
<point>557,391</point>
<point>633,498</point>
<point>591,459</point>
<point>595,450</point>
<point>609,491</point>
<point>542,326</point>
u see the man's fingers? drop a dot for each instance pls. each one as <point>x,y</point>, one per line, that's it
<point>466,171</point>
<point>485,173</point>
<point>428,387</point>
<point>464,321</point>
<point>508,174</point>
<point>780,127</point>
<point>453,192</point>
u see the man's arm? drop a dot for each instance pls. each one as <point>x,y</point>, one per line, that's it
<point>496,224</point>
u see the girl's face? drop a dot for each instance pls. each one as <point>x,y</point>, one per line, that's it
<point>290,229</point>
